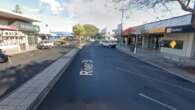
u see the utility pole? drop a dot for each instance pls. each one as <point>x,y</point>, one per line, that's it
<point>123,10</point>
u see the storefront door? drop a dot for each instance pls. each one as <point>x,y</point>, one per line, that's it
<point>153,42</point>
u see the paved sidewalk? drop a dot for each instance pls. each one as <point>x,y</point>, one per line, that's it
<point>30,94</point>
<point>22,67</point>
<point>156,59</point>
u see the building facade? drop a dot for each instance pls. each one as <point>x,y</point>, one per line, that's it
<point>17,32</point>
<point>173,37</point>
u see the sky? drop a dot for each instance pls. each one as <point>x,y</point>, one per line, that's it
<point>61,15</point>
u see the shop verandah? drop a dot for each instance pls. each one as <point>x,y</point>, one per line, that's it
<point>153,44</point>
<point>145,42</point>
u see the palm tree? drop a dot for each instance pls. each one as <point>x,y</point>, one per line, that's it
<point>79,31</point>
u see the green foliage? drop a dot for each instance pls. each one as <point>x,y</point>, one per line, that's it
<point>90,30</point>
<point>78,30</point>
<point>185,4</point>
<point>98,36</point>
<point>61,42</point>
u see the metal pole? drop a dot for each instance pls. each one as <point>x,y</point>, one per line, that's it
<point>122,22</point>
<point>135,49</point>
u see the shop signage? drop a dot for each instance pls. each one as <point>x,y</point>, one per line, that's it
<point>180,29</point>
<point>26,26</point>
<point>0,35</point>
<point>12,33</point>
<point>7,27</point>
<point>157,30</point>
<point>171,30</point>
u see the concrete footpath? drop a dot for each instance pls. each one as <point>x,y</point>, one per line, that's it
<point>23,67</point>
<point>158,61</point>
<point>31,94</point>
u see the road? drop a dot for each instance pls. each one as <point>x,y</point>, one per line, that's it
<point>24,66</point>
<point>118,82</point>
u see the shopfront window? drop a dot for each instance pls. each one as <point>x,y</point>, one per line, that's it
<point>174,44</point>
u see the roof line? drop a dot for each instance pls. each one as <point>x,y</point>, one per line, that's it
<point>169,18</point>
<point>20,15</point>
<point>159,20</point>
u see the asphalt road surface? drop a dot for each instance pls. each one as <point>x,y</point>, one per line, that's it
<point>117,82</point>
<point>24,66</point>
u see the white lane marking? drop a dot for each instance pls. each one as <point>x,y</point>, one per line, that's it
<point>150,78</point>
<point>85,73</point>
<point>87,67</point>
<point>157,101</point>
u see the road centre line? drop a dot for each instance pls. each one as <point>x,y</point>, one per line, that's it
<point>157,101</point>
<point>147,77</point>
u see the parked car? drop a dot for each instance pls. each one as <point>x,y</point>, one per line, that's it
<point>3,57</point>
<point>108,43</point>
<point>45,44</point>
<point>92,40</point>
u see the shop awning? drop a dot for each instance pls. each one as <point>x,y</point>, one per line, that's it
<point>128,31</point>
<point>13,28</point>
<point>157,30</point>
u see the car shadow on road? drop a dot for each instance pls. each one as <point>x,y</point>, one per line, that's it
<point>13,77</point>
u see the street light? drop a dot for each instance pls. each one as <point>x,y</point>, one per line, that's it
<point>123,10</point>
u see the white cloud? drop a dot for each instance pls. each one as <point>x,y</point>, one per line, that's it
<point>102,13</point>
<point>96,12</point>
<point>55,6</point>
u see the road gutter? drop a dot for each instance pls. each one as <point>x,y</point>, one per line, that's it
<point>183,75</point>
<point>157,101</point>
<point>30,95</point>
<point>157,80</point>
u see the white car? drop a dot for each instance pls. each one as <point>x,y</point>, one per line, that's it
<point>108,43</point>
<point>92,40</point>
<point>45,44</point>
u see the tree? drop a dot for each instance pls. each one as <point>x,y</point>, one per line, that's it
<point>98,36</point>
<point>90,30</point>
<point>185,4</point>
<point>17,9</point>
<point>79,31</point>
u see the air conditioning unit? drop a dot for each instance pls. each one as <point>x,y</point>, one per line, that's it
<point>5,33</point>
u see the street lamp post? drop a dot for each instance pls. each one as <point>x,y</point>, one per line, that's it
<point>122,22</point>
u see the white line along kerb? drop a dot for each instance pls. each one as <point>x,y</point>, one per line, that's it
<point>160,81</point>
<point>156,101</point>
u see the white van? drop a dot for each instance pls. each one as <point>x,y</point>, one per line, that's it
<point>108,43</point>
<point>45,44</point>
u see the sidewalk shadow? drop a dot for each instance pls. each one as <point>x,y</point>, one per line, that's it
<point>15,76</point>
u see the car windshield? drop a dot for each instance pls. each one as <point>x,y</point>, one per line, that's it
<point>97,55</point>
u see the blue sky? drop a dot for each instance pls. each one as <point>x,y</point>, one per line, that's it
<point>61,15</point>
